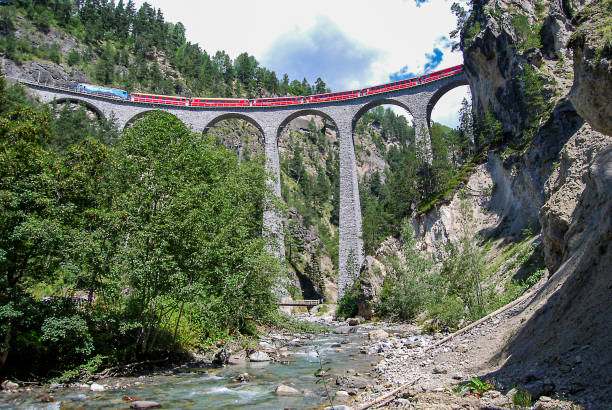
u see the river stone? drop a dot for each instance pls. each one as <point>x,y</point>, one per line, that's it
<point>141,404</point>
<point>354,321</point>
<point>259,357</point>
<point>352,382</point>
<point>342,394</point>
<point>284,390</point>
<point>96,387</point>
<point>9,385</point>
<point>267,347</point>
<point>222,357</point>
<point>344,330</point>
<point>377,334</point>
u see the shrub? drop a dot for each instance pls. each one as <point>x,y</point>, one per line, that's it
<point>522,398</point>
<point>74,58</point>
<point>347,306</point>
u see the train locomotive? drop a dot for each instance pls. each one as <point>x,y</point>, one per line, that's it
<point>103,91</point>
<point>266,102</point>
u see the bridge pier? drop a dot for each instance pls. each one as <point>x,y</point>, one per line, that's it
<point>350,255</point>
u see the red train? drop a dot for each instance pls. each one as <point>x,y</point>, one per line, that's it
<point>282,101</point>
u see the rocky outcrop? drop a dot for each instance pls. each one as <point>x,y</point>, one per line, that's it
<point>592,88</point>
<point>567,339</point>
<point>567,177</point>
<point>564,190</point>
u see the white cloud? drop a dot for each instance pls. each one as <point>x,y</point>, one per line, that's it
<point>392,33</point>
<point>446,110</point>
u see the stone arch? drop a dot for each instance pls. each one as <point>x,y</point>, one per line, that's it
<point>235,115</point>
<point>86,103</point>
<point>374,104</point>
<point>301,113</point>
<point>439,93</point>
<point>144,113</point>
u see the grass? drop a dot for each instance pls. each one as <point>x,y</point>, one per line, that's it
<point>521,398</point>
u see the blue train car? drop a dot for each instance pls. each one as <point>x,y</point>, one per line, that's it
<point>96,89</point>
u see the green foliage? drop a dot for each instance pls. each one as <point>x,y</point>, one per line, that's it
<point>69,335</point>
<point>70,126</point>
<point>527,32</point>
<point>407,287</point>
<point>477,387</point>
<point>291,324</point>
<point>73,58</point>
<point>470,30</point>
<point>83,371</point>
<point>521,398</point>
<point>347,305</point>
<point>160,231</point>
<point>533,92</point>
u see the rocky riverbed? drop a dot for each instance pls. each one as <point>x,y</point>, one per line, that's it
<point>361,362</point>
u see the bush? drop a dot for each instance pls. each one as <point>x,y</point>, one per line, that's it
<point>69,336</point>
<point>347,306</point>
<point>74,58</point>
<point>404,297</point>
<point>55,54</point>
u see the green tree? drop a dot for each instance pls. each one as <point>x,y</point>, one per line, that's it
<point>191,238</point>
<point>30,230</point>
<point>105,67</point>
<point>466,129</point>
<point>320,87</point>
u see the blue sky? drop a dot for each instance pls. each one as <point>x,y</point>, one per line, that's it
<point>348,43</point>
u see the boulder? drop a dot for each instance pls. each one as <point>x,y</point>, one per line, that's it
<point>259,357</point>
<point>354,321</point>
<point>222,357</point>
<point>244,377</point>
<point>284,390</point>
<point>341,394</point>
<point>377,334</point>
<point>352,382</point>
<point>344,330</point>
<point>9,385</point>
<point>97,387</point>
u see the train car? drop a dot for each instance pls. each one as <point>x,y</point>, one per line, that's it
<point>219,102</point>
<point>104,91</point>
<point>344,95</point>
<point>279,101</point>
<point>159,99</point>
<point>436,75</point>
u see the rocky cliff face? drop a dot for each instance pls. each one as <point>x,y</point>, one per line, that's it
<point>553,169</point>
<point>565,172</point>
<point>592,49</point>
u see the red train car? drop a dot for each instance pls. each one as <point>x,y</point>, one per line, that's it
<point>295,100</point>
<point>344,95</point>
<point>442,73</point>
<point>219,102</point>
<point>159,99</point>
<point>279,101</point>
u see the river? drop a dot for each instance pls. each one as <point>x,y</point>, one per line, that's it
<point>217,388</point>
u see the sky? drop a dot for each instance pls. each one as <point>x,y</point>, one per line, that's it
<point>350,44</point>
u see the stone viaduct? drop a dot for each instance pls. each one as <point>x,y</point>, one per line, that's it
<point>270,121</point>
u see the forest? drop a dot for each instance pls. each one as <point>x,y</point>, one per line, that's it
<point>112,250</point>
